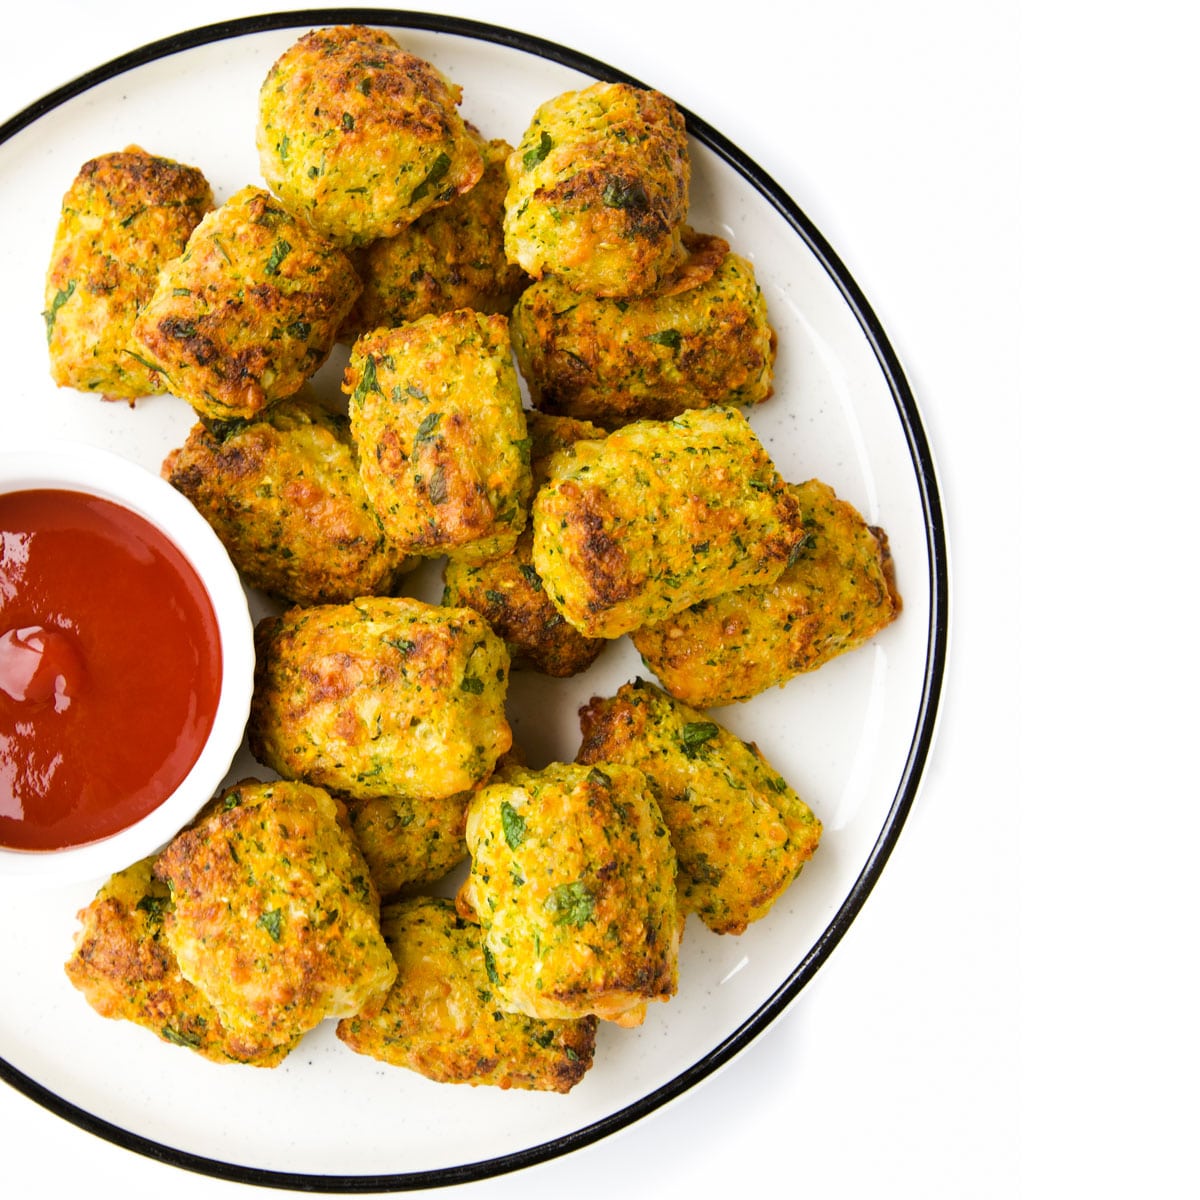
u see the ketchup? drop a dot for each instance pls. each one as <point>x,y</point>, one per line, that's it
<point>110,668</point>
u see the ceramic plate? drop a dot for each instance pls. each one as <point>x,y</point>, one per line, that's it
<point>852,738</point>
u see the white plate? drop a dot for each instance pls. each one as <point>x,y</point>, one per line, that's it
<point>852,738</point>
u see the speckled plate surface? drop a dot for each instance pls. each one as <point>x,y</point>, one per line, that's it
<point>852,738</point>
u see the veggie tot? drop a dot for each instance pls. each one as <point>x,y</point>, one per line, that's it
<point>441,1020</point>
<point>598,190</point>
<point>380,697</point>
<point>650,357</point>
<point>358,137</point>
<point>507,592</point>
<point>249,311</point>
<point>658,516</point>
<point>126,971</point>
<point>573,884</point>
<point>124,217</point>
<point>409,841</point>
<point>838,591</point>
<point>283,493</point>
<point>740,833</point>
<point>436,414</point>
<point>274,917</point>
<point>452,257</point>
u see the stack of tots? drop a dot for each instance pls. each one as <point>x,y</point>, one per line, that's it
<point>632,497</point>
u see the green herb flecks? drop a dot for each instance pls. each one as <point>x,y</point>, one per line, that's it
<point>272,922</point>
<point>60,298</point>
<point>513,824</point>
<point>703,871</point>
<point>571,904</point>
<point>427,428</point>
<point>489,964</point>
<point>278,254</point>
<point>472,684</point>
<point>367,381</point>
<point>179,1038</point>
<point>625,194</point>
<point>437,172</point>
<point>538,154</point>
<point>145,362</point>
<point>154,907</point>
<point>801,548</point>
<point>439,491</point>
<point>531,576</point>
<point>666,337</point>
<point>695,734</point>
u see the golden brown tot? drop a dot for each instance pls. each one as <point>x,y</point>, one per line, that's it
<point>573,884</point>
<point>442,1020</point>
<point>598,190</point>
<point>274,917</point>
<point>409,841</point>
<point>359,137</point>
<point>452,257</point>
<point>283,493</point>
<point>507,592</point>
<point>382,696</point>
<point>740,832</point>
<point>125,216</point>
<point>651,357</point>
<point>126,971</point>
<point>249,311</point>
<point>660,515</point>
<point>436,413</point>
<point>838,590</point>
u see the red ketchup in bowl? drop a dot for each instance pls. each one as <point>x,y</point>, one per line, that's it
<point>110,668</point>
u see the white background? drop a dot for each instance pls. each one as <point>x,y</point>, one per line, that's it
<point>1011,184</point>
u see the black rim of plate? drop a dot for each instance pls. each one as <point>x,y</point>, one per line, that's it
<point>936,645</point>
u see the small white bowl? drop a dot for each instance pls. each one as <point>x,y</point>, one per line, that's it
<point>81,468</point>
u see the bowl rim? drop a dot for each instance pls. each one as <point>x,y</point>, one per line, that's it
<point>79,467</point>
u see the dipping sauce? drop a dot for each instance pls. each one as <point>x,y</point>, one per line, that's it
<point>110,668</point>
